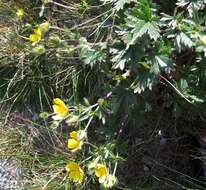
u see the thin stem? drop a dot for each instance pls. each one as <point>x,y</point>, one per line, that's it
<point>90,119</point>
<point>176,89</point>
<point>115,168</point>
<point>64,6</point>
<point>88,109</point>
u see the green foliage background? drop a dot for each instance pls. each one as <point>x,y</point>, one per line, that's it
<point>136,59</point>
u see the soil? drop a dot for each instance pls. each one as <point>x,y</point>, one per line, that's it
<point>10,175</point>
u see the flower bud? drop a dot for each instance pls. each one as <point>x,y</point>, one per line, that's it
<point>203,39</point>
<point>72,119</point>
<point>39,50</point>
<point>44,27</point>
<point>44,115</point>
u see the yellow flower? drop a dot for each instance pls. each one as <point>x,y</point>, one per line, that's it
<point>74,134</point>
<point>36,36</point>
<point>74,144</point>
<point>39,32</point>
<point>20,13</point>
<point>75,141</point>
<point>76,174</point>
<point>60,109</point>
<point>78,135</point>
<point>101,172</point>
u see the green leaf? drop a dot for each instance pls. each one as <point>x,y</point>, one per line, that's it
<point>153,30</point>
<point>143,81</point>
<point>119,60</point>
<point>120,4</point>
<point>164,63</point>
<point>143,10</point>
<point>182,40</point>
<point>137,32</point>
<point>143,28</point>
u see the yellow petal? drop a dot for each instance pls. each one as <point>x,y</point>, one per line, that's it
<point>74,134</point>
<point>72,166</point>
<point>60,111</point>
<point>59,102</point>
<point>101,170</point>
<point>60,107</point>
<point>74,144</point>
<point>33,38</point>
<point>36,36</point>
<point>78,135</point>
<point>76,174</point>
<point>38,32</point>
<point>81,177</point>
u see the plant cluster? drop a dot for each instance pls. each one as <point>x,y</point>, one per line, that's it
<point>120,62</point>
<point>95,163</point>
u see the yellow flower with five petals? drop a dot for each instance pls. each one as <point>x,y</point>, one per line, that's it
<point>75,141</point>
<point>60,109</point>
<point>101,172</point>
<point>76,174</point>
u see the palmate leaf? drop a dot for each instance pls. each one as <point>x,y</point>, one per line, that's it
<point>120,64</point>
<point>192,5</point>
<point>142,21</point>
<point>120,60</point>
<point>197,4</point>
<point>182,41</point>
<point>155,64</point>
<point>143,81</point>
<point>160,63</point>
<point>123,98</point>
<point>184,88</point>
<point>164,63</point>
<point>144,28</point>
<point>153,30</point>
<point>137,32</point>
